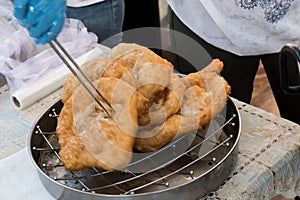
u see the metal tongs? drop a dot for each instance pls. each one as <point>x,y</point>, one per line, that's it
<point>66,57</point>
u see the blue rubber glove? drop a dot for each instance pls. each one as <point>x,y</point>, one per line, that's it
<point>43,19</point>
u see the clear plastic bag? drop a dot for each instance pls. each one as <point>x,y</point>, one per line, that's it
<point>8,23</point>
<point>8,26</point>
<point>23,62</point>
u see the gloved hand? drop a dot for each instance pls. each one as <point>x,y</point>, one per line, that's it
<point>43,19</point>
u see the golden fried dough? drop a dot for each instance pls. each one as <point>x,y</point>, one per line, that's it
<point>99,67</point>
<point>194,115</point>
<point>127,52</point>
<point>165,105</point>
<point>119,69</point>
<point>153,79</point>
<point>91,70</point>
<point>151,104</point>
<point>88,137</point>
<point>210,79</point>
<point>204,98</point>
<point>135,55</point>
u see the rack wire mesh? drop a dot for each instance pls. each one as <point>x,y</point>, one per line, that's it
<point>186,159</point>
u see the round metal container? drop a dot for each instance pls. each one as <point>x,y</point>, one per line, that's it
<point>188,177</point>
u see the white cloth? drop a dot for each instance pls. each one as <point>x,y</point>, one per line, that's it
<point>19,179</point>
<point>242,27</point>
<point>81,3</point>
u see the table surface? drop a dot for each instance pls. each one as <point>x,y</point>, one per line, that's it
<point>268,155</point>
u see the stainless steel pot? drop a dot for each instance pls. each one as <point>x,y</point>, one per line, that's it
<point>290,69</point>
<point>189,175</point>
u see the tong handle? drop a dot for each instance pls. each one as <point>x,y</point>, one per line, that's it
<point>64,51</point>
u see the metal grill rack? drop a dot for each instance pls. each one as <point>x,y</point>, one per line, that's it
<point>179,167</point>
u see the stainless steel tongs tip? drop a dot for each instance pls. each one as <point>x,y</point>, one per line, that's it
<point>59,49</point>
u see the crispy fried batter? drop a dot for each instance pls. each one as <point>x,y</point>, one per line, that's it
<point>99,67</point>
<point>194,115</point>
<point>119,69</point>
<point>152,106</point>
<point>87,137</point>
<point>153,79</point>
<point>90,68</point>
<point>165,105</point>
<point>210,79</point>
<point>135,55</point>
<point>205,97</point>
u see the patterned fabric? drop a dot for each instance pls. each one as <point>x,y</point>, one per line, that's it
<point>242,27</point>
<point>274,10</point>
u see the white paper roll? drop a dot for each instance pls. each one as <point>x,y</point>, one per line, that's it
<point>24,97</point>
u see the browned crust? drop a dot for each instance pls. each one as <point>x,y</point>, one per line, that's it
<point>189,104</point>
<point>205,96</point>
<point>75,151</point>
